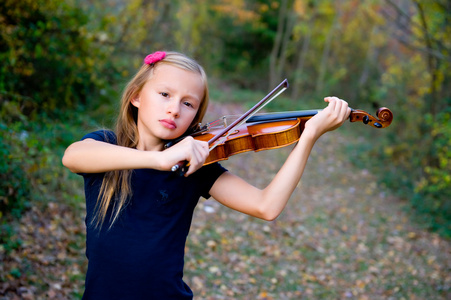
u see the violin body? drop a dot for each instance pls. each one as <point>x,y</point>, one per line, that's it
<point>254,137</point>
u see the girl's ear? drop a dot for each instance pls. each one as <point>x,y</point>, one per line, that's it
<point>135,101</point>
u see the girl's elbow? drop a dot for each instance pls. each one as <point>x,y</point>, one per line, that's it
<point>271,217</point>
<point>268,214</point>
<point>67,161</point>
<point>268,209</point>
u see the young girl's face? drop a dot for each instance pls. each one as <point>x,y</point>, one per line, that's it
<point>167,105</point>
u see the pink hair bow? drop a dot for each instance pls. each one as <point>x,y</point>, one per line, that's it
<point>154,57</point>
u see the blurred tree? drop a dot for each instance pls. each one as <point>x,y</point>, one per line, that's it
<point>48,55</point>
<point>243,32</point>
<point>428,31</point>
<point>51,65</point>
<point>416,79</point>
<point>277,59</point>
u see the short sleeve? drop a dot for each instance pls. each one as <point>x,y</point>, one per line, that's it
<point>208,176</point>
<point>107,136</point>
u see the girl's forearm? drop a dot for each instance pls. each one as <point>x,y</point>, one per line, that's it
<point>90,156</point>
<point>276,195</point>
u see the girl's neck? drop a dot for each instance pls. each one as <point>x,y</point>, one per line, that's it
<point>150,145</point>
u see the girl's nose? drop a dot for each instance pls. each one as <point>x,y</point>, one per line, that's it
<point>173,108</point>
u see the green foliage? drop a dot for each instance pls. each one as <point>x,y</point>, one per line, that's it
<point>31,174</point>
<point>435,184</point>
<point>15,185</point>
<point>412,157</point>
<point>240,53</point>
<point>437,180</point>
<point>415,165</point>
<point>48,54</point>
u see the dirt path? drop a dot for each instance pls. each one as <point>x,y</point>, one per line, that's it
<point>340,237</point>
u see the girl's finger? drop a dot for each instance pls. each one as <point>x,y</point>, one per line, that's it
<point>344,110</point>
<point>199,154</point>
<point>331,101</point>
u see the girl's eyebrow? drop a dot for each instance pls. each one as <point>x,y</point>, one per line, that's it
<point>195,98</point>
<point>168,88</point>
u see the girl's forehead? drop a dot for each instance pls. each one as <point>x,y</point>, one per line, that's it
<point>171,73</point>
<point>178,78</point>
<point>163,71</point>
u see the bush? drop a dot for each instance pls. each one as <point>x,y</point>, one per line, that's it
<point>48,54</point>
<point>14,183</point>
<point>415,165</point>
<point>31,150</point>
<point>433,190</point>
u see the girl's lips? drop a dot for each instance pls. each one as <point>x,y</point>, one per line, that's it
<point>168,123</point>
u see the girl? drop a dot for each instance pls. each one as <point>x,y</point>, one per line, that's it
<point>138,211</point>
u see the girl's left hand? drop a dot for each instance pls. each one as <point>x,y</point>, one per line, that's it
<point>330,118</point>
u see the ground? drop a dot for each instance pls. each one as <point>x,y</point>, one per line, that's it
<point>342,236</point>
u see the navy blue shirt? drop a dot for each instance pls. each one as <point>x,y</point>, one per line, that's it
<point>142,255</point>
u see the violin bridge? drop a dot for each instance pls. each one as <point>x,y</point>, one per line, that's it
<point>224,121</point>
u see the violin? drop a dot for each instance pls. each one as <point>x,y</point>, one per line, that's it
<point>272,131</point>
<point>252,132</point>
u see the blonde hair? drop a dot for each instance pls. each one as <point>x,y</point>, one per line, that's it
<point>115,189</point>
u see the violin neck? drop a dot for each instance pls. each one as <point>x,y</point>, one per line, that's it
<point>283,116</point>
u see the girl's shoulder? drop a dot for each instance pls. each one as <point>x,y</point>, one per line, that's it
<point>103,135</point>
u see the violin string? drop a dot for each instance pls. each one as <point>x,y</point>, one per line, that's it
<point>271,113</point>
<point>228,118</point>
<point>222,122</point>
<point>214,123</point>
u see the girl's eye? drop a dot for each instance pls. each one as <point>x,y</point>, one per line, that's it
<point>164,94</point>
<point>188,104</point>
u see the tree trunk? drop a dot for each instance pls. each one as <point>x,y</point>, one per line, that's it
<point>297,78</point>
<point>274,68</point>
<point>326,52</point>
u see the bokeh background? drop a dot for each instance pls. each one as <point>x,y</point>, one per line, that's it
<point>372,216</point>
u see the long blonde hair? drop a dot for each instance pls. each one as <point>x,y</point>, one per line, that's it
<point>115,189</point>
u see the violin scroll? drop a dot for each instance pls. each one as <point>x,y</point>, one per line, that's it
<point>385,115</point>
<point>383,118</point>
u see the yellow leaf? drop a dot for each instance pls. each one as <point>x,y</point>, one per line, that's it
<point>411,235</point>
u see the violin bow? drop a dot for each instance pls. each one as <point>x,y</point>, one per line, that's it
<point>181,167</point>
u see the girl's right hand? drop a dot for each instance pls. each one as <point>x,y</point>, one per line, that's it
<point>193,151</point>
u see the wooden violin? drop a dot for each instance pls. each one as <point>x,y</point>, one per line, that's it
<point>277,130</point>
<point>265,132</point>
